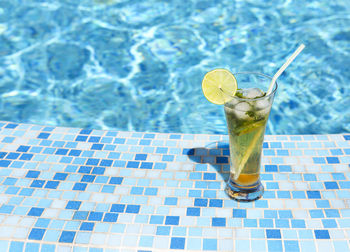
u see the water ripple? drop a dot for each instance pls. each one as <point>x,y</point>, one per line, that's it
<point>138,65</point>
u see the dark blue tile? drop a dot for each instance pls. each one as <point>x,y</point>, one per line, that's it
<point>97,146</point>
<point>209,176</point>
<point>321,234</point>
<point>215,202</point>
<point>239,213</point>
<point>85,131</point>
<point>265,145</point>
<point>94,139</point>
<point>61,151</point>
<point>177,243</point>
<point>33,174</point>
<point>38,183</point>
<point>172,220</point>
<point>110,217</point>
<point>75,153</point>
<point>98,171</point>
<point>87,226</point>
<point>35,211</point>
<point>92,161</point>
<point>116,180</point>
<point>273,234</point>
<point>11,126</point>
<point>132,164</point>
<point>331,185</point>
<point>4,163</point>
<point>95,216</point>
<point>26,156</point>
<point>141,157</point>
<point>43,135</point>
<point>60,176</point>
<point>347,137</point>
<point>132,209</point>
<point>146,165</point>
<point>313,194</point>
<point>222,160</point>
<point>80,138</point>
<point>193,211</point>
<point>72,204</point>
<point>218,222</point>
<point>79,186</point>
<point>52,184</point>
<point>271,168</point>
<point>201,202</point>
<point>88,178</point>
<point>12,155</point>
<point>118,208</point>
<point>67,236</point>
<point>36,234</point>
<point>85,169</point>
<point>332,160</point>
<point>3,154</point>
<point>106,162</point>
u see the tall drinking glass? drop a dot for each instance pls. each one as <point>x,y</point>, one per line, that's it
<point>246,115</point>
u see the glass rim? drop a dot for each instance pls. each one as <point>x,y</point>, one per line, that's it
<point>254,99</point>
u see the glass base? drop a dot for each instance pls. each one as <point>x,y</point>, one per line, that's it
<point>244,193</point>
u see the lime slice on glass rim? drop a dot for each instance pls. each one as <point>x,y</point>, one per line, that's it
<point>219,85</point>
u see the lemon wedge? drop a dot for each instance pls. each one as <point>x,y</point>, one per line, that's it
<point>219,85</point>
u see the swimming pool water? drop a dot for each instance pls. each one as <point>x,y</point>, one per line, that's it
<point>138,65</point>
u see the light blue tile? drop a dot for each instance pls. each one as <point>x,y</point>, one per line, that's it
<point>242,245</point>
<point>258,245</point>
<point>82,237</point>
<point>118,228</point>
<point>51,235</point>
<point>194,244</point>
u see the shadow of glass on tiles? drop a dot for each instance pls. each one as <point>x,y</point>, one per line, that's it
<point>216,154</point>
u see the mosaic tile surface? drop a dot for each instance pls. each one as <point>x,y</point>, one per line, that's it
<point>68,189</point>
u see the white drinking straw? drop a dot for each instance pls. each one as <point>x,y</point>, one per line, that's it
<point>285,65</point>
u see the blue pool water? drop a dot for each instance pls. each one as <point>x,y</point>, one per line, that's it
<point>138,65</point>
